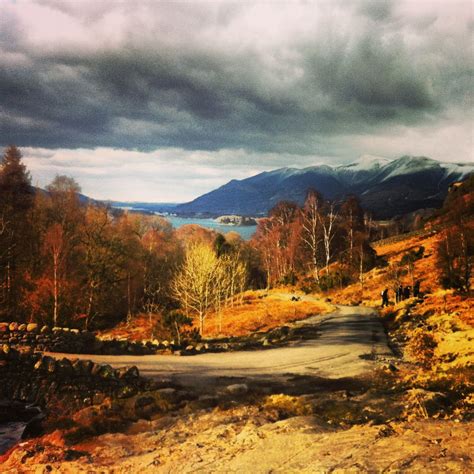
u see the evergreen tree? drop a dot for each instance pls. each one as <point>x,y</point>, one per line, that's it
<point>16,200</point>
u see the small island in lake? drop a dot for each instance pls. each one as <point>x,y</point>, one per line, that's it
<point>236,220</point>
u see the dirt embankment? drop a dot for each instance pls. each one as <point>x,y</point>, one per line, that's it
<point>375,420</point>
<point>319,425</point>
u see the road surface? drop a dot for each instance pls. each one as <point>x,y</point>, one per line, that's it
<point>350,338</point>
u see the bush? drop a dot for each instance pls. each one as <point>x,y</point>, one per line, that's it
<point>287,406</point>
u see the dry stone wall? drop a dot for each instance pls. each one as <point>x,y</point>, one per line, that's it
<point>72,341</point>
<point>68,385</point>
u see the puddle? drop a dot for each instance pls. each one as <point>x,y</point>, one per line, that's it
<point>10,434</point>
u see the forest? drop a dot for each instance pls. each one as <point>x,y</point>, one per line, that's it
<point>68,262</point>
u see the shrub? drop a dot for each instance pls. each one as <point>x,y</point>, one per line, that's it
<point>287,406</point>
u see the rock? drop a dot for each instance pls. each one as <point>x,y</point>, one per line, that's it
<point>168,392</point>
<point>13,326</point>
<point>266,342</point>
<point>65,366</point>
<point>165,343</point>
<point>237,389</point>
<point>128,372</point>
<point>49,364</point>
<point>31,327</point>
<point>34,428</point>
<point>45,329</point>
<point>145,407</point>
<point>126,391</point>
<point>208,401</point>
<point>95,369</point>
<point>189,348</point>
<point>107,372</point>
<point>199,347</point>
<point>22,327</point>
<point>74,331</point>
<point>4,327</point>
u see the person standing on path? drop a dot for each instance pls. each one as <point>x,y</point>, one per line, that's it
<point>385,297</point>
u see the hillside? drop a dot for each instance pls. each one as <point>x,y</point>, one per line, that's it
<point>386,188</point>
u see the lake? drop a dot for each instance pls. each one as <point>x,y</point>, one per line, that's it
<point>245,231</point>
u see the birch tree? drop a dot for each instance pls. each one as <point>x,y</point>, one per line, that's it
<point>311,234</point>
<point>328,223</point>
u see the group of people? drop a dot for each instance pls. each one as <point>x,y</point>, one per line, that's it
<point>401,293</point>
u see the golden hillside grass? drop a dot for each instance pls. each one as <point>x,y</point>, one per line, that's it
<point>448,316</point>
<point>139,328</point>
<point>254,311</point>
<point>261,311</point>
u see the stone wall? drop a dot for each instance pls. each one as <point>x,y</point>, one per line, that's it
<point>68,385</point>
<point>67,340</point>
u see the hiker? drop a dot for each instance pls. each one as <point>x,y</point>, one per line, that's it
<point>406,292</point>
<point>384,297</point>
<point>416,289</point>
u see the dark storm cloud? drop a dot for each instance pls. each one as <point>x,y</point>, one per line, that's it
<point>184,81</point>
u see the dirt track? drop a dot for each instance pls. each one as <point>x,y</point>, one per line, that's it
<point>350,338</point>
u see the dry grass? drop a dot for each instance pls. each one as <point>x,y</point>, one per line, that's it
<point>439,331</point>
<point>261,311</point>
<point>254,311</point>
<point>139,328</point>
<point>437,300</point>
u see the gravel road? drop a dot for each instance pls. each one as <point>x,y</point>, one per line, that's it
<point>350,338</point>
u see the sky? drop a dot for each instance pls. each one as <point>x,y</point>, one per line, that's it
<point>164,101</point>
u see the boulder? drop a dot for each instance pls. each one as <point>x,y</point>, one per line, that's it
<point>22,327</point>
<point>13,326</point>
<point>45,329</point>
<point>4,327</point>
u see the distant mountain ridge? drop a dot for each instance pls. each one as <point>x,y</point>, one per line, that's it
<point>385,187</point>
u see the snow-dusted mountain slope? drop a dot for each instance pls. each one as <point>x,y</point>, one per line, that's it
<point>385,187</point>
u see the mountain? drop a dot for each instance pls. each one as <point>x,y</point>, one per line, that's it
<point>385,187</point>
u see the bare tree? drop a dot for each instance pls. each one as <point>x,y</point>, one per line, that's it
<point>54,246</point>
<point>311,234</point>
<point>328,222</point>
<point>206,282</point>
